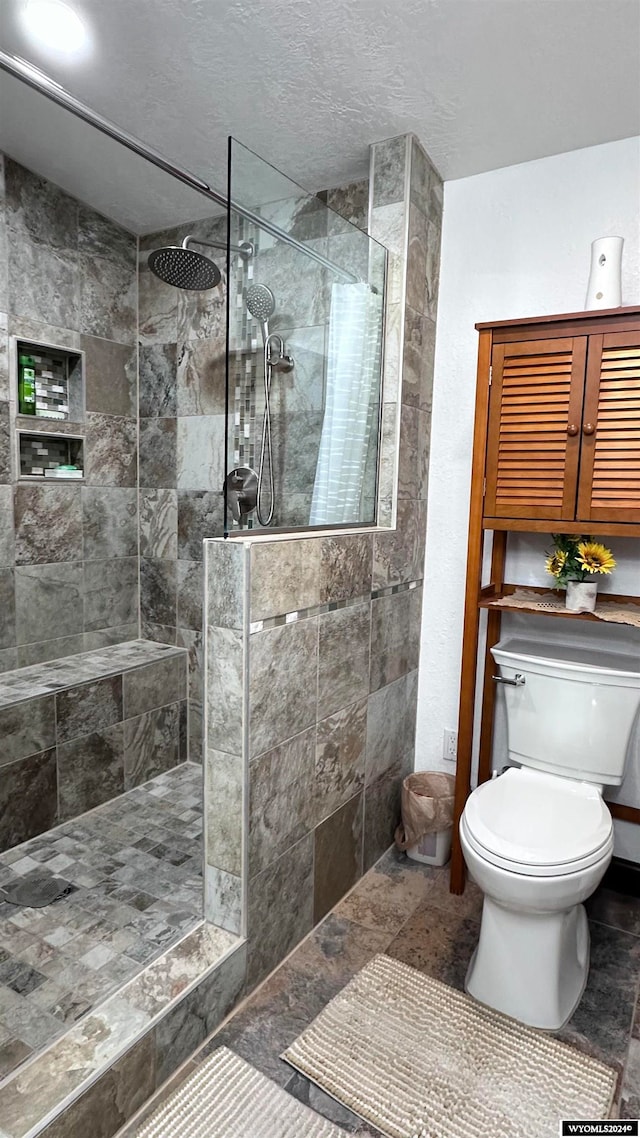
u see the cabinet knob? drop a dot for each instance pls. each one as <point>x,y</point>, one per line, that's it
<point>572,429</point>
<point>588,429</point>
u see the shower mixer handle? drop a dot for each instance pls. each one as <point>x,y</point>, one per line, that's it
<point>241,489</point>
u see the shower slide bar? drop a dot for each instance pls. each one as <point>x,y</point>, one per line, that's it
<point>48,87</point>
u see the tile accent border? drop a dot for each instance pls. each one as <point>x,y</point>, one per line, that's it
<point>333,606</point>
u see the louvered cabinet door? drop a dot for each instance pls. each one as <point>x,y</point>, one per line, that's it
<point>609,488</point>
<point>535,413</point>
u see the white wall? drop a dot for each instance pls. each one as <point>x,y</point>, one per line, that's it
<point>516,242</point>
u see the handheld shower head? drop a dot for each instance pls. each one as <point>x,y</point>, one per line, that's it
<point>261,303</point>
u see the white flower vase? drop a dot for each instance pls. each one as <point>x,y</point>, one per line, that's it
<point>581,596</point>
<point>605,276</point>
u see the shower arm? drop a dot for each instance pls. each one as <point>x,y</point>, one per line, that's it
<point>245,250</point>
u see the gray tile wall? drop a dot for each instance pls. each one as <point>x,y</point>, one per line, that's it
<point>182,426</point>
<point>313,709</point>
<point>79,746</point>
<point>68,552</point>
<point>313,642</point>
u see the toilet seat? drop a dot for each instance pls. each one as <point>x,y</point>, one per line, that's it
<point>538,824</point>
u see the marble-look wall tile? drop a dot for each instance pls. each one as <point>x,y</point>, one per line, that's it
<point>113,1099</point>
<point>201,377</point>
<point>303,388</point>
<point>158,453</point>
<point>343,659</point>
<point>110,522</point>
<point>391,722</point>
<point>44,281</point>
<point>40,651</point>
<point>226,568</point>
<point>381,815</point>
<point>157,380</point>
<point>351,203</point>
<point>224,779</point>
<point>280,910</point>
<point>110,377</point>
<point>112,450</point>
<point>418,362</point>
<point>49,601</point>
<point>338,856</point>
<point>390,168</point>
<point>282,697</point>
<point>433,268</point>
<point>345,567</point>
<point>190,590</point>
<point>7,608</point>
<point>108,294</point>
<point>90,771</point>
<point>88,707</point>
<point>157,306</point>
<point>101,237</point>
<point>155,685</point>
<point>200,516</point>
<point>398,556</point>
<point>339,764</point>
<point>5,444</point>
<point>111,593</point>
<point>285,577</point>
<point>203,315</point>
<point>158,595</point>
<point>28,802</point>
<point>48,521</point>
<point>223,899</point>
<point>7,535</point>
<point>26,728</point>
<point>151,744</point>
<point>225,668</point>
<point>40,209</point>
<point>281,799</point>
<point>4,335</point>
<point>159,524</point>
<point>417,259</point>
<point>201,452</point>
<point>182,1031</point>
<point>394,649</point>
<point>191,640</point>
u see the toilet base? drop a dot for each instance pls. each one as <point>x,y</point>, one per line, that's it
<point>531,966</point>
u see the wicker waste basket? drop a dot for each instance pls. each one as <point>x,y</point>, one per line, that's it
<point>427,817</point>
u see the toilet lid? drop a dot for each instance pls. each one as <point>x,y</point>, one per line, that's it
<point>542,822</point>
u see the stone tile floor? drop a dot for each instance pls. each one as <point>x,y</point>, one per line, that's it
<point>134,868</point>
<point>406,911</point>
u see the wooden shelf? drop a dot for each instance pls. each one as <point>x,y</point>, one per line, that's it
<point>491,598</point>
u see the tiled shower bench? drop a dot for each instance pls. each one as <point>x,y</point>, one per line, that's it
<point>81,730</point>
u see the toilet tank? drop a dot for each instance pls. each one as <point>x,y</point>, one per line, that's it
<point>575,711</point>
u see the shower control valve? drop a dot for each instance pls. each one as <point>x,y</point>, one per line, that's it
<point>241,489</point>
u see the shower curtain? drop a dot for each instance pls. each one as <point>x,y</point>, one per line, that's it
<point>351,404</point>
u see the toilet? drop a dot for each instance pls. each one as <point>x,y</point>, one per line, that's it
<point>538,838</point>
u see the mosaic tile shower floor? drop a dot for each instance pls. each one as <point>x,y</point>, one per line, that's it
<point>134,867</point>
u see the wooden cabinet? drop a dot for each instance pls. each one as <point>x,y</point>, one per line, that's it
<point>556,448</point>
<point>563,432</point>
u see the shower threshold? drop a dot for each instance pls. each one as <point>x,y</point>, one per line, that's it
<point>127,878</point>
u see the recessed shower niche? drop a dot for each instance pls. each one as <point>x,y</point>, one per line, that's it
<point>49,381</point>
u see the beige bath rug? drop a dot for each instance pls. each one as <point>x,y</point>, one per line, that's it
<point>228,1098</point>
<point>420,1060</point>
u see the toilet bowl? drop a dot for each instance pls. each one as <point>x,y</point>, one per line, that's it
<point>538,839</point>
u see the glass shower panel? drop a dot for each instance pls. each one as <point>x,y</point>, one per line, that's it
<point>303,356</point>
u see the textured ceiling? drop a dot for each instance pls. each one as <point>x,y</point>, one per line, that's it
<point>310,84</point>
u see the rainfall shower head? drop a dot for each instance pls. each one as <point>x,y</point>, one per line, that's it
<point>184,268</point>
<point>260,301</point>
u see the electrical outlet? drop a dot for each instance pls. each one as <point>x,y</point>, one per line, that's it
<point>450,746</point>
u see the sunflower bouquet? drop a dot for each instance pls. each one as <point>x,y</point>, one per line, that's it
<point>575,558</point>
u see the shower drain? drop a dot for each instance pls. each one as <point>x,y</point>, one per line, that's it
<point>36,892</point>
